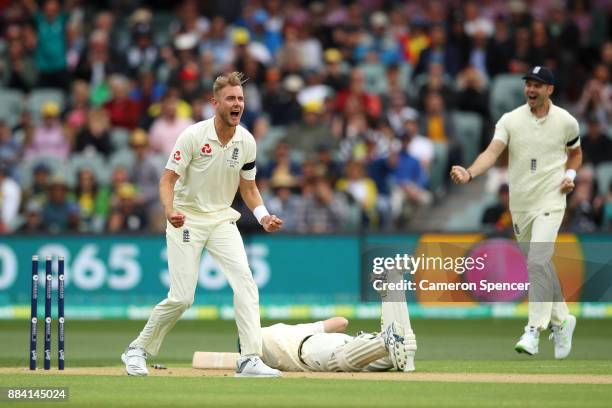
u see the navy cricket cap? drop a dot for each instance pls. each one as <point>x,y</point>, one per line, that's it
<point>540,74</point>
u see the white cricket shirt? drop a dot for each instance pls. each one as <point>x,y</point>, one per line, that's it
<point>281,343</point>
<point>210,173</point>
<point>537,154</point>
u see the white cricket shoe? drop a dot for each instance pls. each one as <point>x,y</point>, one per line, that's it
<point>562,337</point>
<point>135,360</point>
<point>529,341</point>
<point>400,348</point>
<point>252,366</point>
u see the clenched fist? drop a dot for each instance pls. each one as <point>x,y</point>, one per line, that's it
<point>271,223</point>
<point>176,218</point>
<point>460,175</point>
<point>567,186</point>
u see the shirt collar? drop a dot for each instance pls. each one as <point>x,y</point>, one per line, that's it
<point>236,138</point>
<point>543,118</point>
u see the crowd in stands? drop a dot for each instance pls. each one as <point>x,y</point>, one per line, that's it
<point>359,107</point>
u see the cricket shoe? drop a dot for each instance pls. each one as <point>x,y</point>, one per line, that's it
<point>529,341</point>
<point>399,348</point>
<point>562,337</point>
<point>252,366</point>
<point>135,360</point>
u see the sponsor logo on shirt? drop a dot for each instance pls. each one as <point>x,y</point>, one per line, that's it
<point>235,153</point>
<point>177,155</point>
<point>207,150</point>
<point>185,235</point>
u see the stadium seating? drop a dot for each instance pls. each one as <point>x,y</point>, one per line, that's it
<point>603,173</point>
<point>122,158</point>
<point>41,95</point>
<point>88,159</point>
<point>468,126</point>
<point>120,138</point>
<point>11,105</point>
<point>57,168</point>
<point>437,173</point>
<point>506,94</point>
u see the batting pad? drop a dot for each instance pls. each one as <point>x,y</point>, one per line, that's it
<point>214,360</point>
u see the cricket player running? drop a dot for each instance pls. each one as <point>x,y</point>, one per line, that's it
<point>210,161</point>
<point>544,153</point>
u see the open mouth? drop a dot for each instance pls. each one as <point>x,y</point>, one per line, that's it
<point>235,114</point>
<point>532,98</point>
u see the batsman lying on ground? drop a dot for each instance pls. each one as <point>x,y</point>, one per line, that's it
<point>323,345</point>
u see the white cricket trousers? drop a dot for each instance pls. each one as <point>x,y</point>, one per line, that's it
<point>536,233</point>
<point>219,235</point>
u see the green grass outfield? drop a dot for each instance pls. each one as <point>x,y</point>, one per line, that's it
<point>445,346</point>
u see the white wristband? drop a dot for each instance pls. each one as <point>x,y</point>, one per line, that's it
<point>259,212</point>
<point>570,174</point>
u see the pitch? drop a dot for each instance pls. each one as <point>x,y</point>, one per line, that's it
<point>459,363</point>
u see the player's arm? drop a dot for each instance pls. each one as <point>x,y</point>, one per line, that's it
<point>252,198</point>
<point>336,324</point>
<point>166,195</point>
<point>483,162</point>
<point>574,161</point>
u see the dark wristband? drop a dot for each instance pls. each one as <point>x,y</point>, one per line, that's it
<point>470,174</point>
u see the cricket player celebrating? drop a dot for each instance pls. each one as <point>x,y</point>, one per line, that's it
<point>210,161</point>
<point>544,152</point>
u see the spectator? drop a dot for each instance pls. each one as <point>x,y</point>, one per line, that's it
<point>582,214</point>
<point>322,210</point>
<point>10,151</point>
<point>284,202</point>
<point>596,98</point>
<point>361,190</point>
<point>435,81</point>
<point>143,54</point>
<point>335,76</point>
<point>10,198</point>
<point>419,146</point>
<point>356,95</point>
<point>39,190</point>
<point>499,49</point>
<point>439,52</point>
<point>379,40</point>
<point>49,138</point>
<point>146,170</point>
<point>77,111</point>
<point>59,213</point>
<point>189,82</point>
<point>472,95</point>
<point>596,146</point>
<point>19,70</point>
<point>122,111</point>
<point>281,164</point>
<point>497,216</point>
<point>168,126</point>
<point>33,223</point>
<point>98,62</point>
<point>92,201</point>
<point>50,54</point>
<point>310,132</point>
<point>409,191</point>
<point>126,214</point>
<point>279,100</point>
<point>96,135</point>
<point>326,165</point>
<point>437,125</point>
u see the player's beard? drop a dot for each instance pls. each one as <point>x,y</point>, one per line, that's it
<point>229,121</point>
